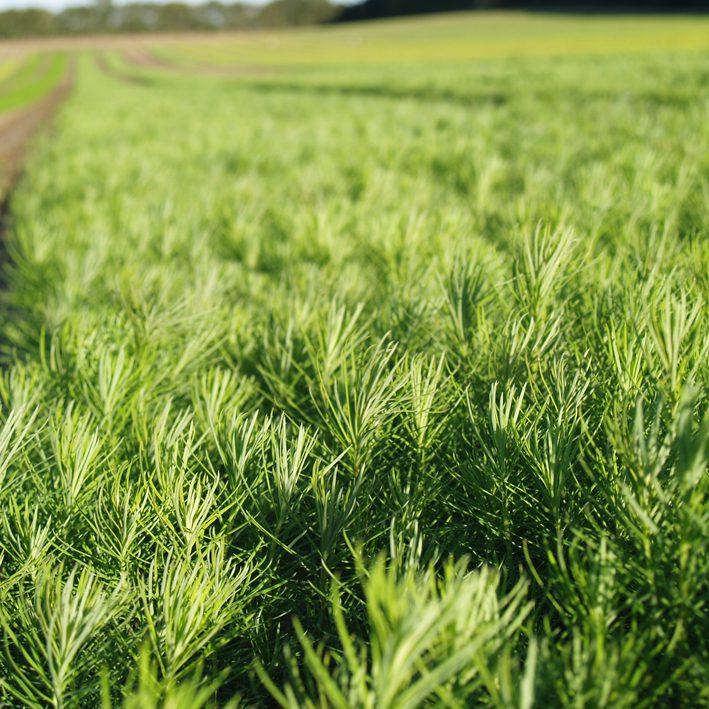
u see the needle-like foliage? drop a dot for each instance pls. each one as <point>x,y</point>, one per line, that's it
<point>380,386</point>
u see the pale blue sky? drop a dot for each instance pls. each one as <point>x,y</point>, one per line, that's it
<point>59,4</point>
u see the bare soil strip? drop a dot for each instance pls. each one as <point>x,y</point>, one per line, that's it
<point>146,59</point>
<point>13,47</point>
<point>16,130</point>
<point>109,70</point>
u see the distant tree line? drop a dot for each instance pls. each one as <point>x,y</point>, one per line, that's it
<point>376,9</point>
<point>105,17</point>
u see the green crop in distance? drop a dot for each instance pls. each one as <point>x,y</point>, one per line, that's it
<point>35,79</point>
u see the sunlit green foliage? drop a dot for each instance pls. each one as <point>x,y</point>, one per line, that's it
<point>390,393</point>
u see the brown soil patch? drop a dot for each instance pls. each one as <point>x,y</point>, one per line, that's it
<point>109,70</point>
<point>137,50</point>
<point>16,130</point>
<point>146,59</point>
<point>13,47</point>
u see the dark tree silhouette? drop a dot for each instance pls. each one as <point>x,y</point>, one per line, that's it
<point>373,9</point>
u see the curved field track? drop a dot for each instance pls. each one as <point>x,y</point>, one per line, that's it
<point>16,130</point>
<point>146,59</point>
<point>110,70</point>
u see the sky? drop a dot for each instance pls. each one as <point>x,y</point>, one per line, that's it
<point>60,4</point>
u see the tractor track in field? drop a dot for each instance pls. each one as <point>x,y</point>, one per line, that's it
<point>147,59</point>
<point>143,59</point>
<point>17,128</point>
<point>105,67</point>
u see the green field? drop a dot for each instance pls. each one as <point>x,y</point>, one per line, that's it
<point>34,78</point>
<point>456,37</point>
<point>8,67</point>
<point>375,384</point>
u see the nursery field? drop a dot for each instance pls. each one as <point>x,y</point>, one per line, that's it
<point>378,384</point>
